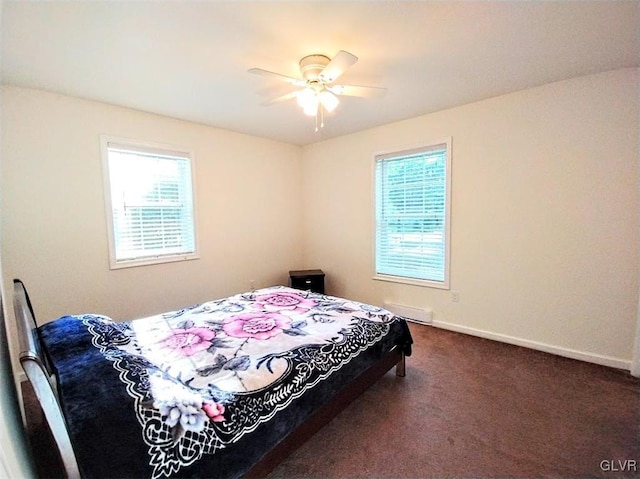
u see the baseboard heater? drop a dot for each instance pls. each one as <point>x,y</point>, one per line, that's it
<point>417,315</point>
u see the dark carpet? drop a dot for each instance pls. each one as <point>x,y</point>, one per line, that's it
<point>468,408</point>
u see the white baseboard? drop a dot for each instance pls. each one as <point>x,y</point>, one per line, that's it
<point>547,348</point>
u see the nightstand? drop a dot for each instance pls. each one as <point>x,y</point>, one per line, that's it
<point>308,279</point>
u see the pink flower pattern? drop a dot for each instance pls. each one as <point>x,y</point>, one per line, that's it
<point>284,301</point>
<point>256,325</point>
<point>214,411</point>
<point>189,341</point>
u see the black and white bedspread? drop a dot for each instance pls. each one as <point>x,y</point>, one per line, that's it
<point>207,390</point>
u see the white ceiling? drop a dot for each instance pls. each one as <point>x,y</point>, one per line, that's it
<point>189,59</point>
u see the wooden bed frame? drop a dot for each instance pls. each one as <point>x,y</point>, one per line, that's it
<point>39,374</point>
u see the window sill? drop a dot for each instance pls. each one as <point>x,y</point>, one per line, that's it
<point>414,282</point>
<point>149,261</point>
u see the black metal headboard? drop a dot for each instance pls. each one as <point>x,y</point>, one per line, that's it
<point>35,365</point>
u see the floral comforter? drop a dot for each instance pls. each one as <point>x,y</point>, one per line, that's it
<point>207,390</point>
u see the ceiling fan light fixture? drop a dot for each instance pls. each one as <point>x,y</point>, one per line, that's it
<point>311,109</point>
<point>328,100</point>
<point>312,65</point>
<point>319,94</point>
<point>308,100</point>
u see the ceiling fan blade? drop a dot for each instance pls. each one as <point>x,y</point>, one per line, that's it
<point>360,91</point>
<point>337,66</point>
<point>279,76</point>
<point>278,99</point>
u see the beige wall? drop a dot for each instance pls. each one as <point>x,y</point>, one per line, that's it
<point>545,229</point>
<point>54,226</point>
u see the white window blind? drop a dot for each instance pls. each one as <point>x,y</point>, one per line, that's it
<point>150,201</point>
<point>412,215</point>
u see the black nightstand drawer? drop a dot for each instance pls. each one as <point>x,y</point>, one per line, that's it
<point>308,280</point>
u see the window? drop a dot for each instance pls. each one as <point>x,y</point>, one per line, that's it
<point>149,196</point>
<point>412,195</point>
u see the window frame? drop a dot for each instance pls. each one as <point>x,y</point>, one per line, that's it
<point>407,151</point>
<point>146,147</point>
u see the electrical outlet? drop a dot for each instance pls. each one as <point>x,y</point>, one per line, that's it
<point>455,296</point>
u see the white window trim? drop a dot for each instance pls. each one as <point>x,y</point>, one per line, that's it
<point>105,140</point>
<point>447,259</point>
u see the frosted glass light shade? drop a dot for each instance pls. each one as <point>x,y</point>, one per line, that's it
<point>308,100</point>
<point>329,100</point>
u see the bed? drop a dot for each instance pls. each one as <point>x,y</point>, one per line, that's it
<point>222,389</point>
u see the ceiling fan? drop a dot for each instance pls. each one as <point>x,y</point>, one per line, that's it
<point>316,92</point>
